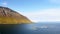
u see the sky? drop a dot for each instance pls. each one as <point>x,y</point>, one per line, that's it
<point>35,10</point>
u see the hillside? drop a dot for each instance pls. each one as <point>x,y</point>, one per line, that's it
<point>9,16</point>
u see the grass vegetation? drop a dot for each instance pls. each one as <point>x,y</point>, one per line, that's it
<point>10,20</point>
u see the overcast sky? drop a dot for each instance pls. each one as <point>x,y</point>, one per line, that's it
<point>36,10</point>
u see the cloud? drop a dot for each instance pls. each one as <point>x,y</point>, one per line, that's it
<point>4,3</point>
<point>45,15</point>
<point>55,1</point>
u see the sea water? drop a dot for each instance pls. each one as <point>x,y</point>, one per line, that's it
<point>35,28</point>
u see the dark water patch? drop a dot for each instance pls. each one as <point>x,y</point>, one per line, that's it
<point>36,28</point>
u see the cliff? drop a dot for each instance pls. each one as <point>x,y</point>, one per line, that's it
<point>9,16</point>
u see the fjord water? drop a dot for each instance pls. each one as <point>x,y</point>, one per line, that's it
<point>35,28</point>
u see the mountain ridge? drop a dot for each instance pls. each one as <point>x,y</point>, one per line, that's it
<point>9,16</point>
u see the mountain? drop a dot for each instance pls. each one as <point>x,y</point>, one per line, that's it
<point>9,16</point>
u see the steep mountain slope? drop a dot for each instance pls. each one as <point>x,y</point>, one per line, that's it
<point>9,16</point>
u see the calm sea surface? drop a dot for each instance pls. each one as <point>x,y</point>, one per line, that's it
<point>36,28</point>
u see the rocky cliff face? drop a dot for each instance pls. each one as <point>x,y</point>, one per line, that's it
<point>8,16</point>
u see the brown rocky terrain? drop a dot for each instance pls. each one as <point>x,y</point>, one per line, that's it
<point>9,16</point>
